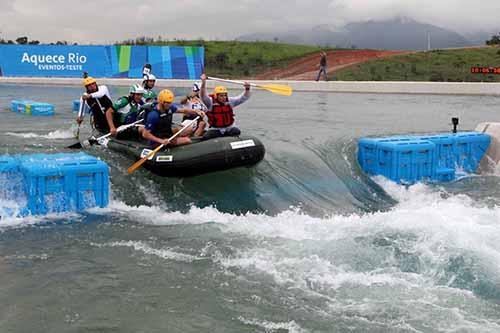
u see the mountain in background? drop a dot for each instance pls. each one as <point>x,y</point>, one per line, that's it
<point>395,34</point>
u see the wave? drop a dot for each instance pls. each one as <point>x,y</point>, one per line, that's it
<point>54,135</point>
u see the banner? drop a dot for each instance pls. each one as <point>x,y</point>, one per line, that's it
<point>168,62</point>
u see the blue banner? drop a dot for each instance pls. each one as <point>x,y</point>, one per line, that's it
<point>168,62</point>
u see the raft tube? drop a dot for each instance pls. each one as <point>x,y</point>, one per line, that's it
<point>199,157</point>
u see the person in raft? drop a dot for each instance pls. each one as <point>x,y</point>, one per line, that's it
<point>126,111</point>
<point>98,100</point>
<point>148,84</point>
<point>158,127</point>
<point>220,110</point>
<point>193,101</point>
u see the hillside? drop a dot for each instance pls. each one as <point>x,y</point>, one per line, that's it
<point>452,65</point>
<point>306,68</point>
<point>236,59</point>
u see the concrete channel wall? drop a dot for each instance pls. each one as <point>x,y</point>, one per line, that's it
<point>443,88</point>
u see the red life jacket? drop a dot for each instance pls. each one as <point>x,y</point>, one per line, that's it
<point>221,115</point>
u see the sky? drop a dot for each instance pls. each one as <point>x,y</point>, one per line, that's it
<point>107,21</point>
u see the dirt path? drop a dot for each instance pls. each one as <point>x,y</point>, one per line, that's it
<point>307,68</point>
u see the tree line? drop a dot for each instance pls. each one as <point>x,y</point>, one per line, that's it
<point>24,40</point>
<point>495,40</point>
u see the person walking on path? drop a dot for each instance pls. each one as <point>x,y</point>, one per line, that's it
<point>322,66</point>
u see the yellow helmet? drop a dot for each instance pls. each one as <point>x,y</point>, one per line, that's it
<point>166,96</point>
<point>88,80</point>
<point>220,90</point>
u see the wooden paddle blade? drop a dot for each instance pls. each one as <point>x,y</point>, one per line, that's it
<point>136,165</point>
<point>279,89</point>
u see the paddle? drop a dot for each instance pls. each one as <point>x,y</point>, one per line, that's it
<point>279,89</point>
<point>81,110</point>
<point>80,114</point>
<point>157,149</point>
<point>93,140</point>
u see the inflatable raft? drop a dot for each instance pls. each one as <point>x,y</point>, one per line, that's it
<point>199,157</point>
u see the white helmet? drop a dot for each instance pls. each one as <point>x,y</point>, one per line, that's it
<point>137,89</point>
<point>149,77</point>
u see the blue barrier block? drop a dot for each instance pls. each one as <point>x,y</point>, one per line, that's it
<point>469,150</point>
<point>445,149</point>
<point>10,178</point>
<point>14,105</point>
<point>32,108</point>
<point>19,105</point>
<point>63,182</point>
<point>407,161</point>
<point>367,155</point>
<point>50,183</point>
<point>76,104</point>
<point>436,157</point>
<point>444,174</point>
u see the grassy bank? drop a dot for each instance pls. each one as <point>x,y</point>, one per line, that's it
<point>234,59</point>
<point>438,65</point>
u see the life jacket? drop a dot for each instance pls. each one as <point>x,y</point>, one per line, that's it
<point>98,107</point>
<point>163,128</point>
<point>221,115</point>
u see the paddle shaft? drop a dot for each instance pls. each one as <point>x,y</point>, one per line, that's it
<point>157,149</point>
<point>81,109</point>
<point>120,129</point>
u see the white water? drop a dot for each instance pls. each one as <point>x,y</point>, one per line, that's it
<point>54,135</point>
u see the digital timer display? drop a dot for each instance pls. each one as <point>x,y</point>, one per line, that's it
<point>485,70</point>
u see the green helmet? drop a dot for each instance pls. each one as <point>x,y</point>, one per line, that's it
<point>136,89</point>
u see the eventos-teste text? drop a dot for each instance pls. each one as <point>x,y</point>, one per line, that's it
<point>72,61</point>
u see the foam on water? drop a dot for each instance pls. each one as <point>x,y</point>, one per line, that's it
<point>164,253</point>
<point>54,135</point>
<point>432,250</point>
<point>268,326</point>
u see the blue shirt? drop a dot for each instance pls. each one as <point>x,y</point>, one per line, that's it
<point>153,118</point>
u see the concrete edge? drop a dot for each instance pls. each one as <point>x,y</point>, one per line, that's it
<point>376,87</point>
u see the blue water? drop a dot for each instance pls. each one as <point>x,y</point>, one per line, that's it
<point>302,242</point>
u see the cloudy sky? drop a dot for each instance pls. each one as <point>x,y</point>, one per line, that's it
<point>104,21</point>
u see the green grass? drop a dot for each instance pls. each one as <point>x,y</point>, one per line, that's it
<point>437,65</point>
<point>235,59</point>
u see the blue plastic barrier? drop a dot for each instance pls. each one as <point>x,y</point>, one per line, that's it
<point>10,180</point>
<point>32,108</point>
<point>407,159</point>
<point>76,104</point>
<point>53,183</point>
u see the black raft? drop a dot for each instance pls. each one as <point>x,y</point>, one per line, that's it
<point>201,156</point>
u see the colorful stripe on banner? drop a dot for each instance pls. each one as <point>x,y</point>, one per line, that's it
<point>167,62</point>
<point>179,64</point>
<point>124,59</point>
<point>155,59</point>
<point>190,61</point>
<point>139,56</point>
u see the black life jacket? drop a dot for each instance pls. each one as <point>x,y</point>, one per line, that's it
<point>221,115</point>
<point>98,107</point>
<point>163,129</point>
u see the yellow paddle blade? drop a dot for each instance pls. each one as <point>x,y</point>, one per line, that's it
<point>137,164</point>
<point>279,89</point>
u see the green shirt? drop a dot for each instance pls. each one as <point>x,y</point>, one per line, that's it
<point>150,95</point>
<point>126,109</point>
